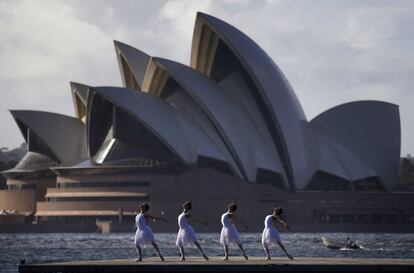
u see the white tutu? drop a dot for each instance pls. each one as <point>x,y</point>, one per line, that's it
<point>143,235</point>
<point>229,231</point>
<point>270,234</point>
<point>186,234</point>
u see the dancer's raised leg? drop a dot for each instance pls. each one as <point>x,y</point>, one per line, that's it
<point>154,244</point>
<point>242,250</point>
<point>201,250</point>
<point>284,249</point>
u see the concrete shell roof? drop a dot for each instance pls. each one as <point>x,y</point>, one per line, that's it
<point>245,115</point>
<point>338,160</point>
<point>35,161</point>
<point>370,130</point>
<point>178,132</point>
<point>236,88</point>
<point>234,124</point>
<point>182,101</point>
<point>136,60</point>
<point>81,90</point>
<point>64,135</point>
<point>79,97</point>
<point>281,101</point>
<point>30,163</point>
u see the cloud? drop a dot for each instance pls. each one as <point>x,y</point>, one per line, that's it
<point>43,47</point>
<point>332,52</point>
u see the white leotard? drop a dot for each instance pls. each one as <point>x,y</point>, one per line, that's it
<point>270,234</point>
<point>186,234</point>
<point>144,234</point>
<point>229,231</point>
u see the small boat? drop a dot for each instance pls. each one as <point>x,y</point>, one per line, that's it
<point>334,244</point>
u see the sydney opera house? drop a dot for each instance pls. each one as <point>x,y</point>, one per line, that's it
<point>227,127</point>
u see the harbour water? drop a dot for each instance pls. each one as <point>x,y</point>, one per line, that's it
<point>41,248</point>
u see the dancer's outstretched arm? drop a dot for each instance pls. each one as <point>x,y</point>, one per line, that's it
<point>190,216</point>
<point>237,220</point>
<point>277,219</point>
<point>155,218</point>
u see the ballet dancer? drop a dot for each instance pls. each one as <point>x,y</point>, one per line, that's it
<point>186,234</point>
<point>144,235</point>
<point>271,234</point>
<point>229,231</point>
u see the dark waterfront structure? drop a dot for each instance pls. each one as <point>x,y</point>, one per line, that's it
<point>229,127</point>
<point>236,264</point>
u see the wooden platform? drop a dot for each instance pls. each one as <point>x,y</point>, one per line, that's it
<point>235,264</point>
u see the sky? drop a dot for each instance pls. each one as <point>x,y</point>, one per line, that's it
<point>331,51</point>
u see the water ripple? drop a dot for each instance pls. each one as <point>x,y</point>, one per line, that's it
<point>39,248</point>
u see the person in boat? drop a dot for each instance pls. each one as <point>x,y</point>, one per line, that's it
<point>144,235</point>
<point>351,244</point>
<point>186,234</point>
<point>270,233</point>
<point>229,232</point>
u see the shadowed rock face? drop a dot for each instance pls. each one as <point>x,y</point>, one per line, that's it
<point>231,110</point>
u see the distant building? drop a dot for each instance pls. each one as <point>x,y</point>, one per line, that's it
<point>229,127</point>
<point>407,172</point>
<point>8,159</point>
